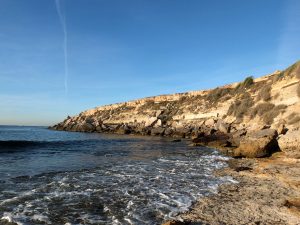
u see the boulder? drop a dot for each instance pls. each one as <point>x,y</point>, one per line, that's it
<point>282,129</point>
<point>75,128</point>
<point>123,130</point>
<point>157,131</point>
<point>222,126</point>
<point>99,128</point>
<point>210,122</point>
<point>150,121</point>
<point>181,132</point>
<point>68,126</point>
<point>158,113</point>
<point>168,131</point>
<point>289,141</point>
<point>145,130</point>
<point>104,127</point>
<point>158,123</point>
<point>218,140</point>
<point>113,126</point>
<point>196,134</point>
<point>237,136</point>
<point>89,120</point>
<point>87,127</point>
<point>257,144</point>
<point>206,131</point>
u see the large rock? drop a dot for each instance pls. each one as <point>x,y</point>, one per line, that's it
<point>181,132</point>
<point>99,129</point>
<point>206,131</point>
<point>158,123</point>
<point>196,134</point>
<point>90,120</point>
<point>123,130</point>
<point>210,122</point>
<point>150,121</point>
<point>87,127</point>
<point>217,140</point>
<point>157,131</point>
<point>290,141</point>
<point>258,144</point>
<point>112,126</point>
<point>158,113</point>
<point>222,126</point>
<point>237,136</point>
<point>282,129</point>
<point>169,131</point>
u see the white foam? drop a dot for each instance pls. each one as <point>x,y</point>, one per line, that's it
<point>162,195</point>
<point>40,218</point>
<point>129,204</point>
<point>7,217</point>
<point>128,220</point>
<point>229,179</point>
<point>165,185</point>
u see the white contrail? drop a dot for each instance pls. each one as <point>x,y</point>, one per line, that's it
<point>62,20</point>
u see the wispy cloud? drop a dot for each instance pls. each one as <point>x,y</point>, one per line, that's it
<point>62,19</point>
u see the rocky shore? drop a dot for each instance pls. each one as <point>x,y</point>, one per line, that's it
<point>256,121</point>
<point>267,192</point>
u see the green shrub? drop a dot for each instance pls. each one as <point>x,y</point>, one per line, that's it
<point>248,82</point>
<point>245,84</point>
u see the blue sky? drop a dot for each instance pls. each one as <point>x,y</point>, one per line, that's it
<point>115,50</point>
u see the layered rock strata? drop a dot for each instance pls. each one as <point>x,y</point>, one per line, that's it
<point>253,118</point>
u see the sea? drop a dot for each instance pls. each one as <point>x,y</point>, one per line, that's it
<point>56,177</point>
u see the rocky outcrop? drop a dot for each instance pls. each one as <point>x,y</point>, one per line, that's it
<point>229,117</point>
<point>258,144</point>
<point>289,141</point>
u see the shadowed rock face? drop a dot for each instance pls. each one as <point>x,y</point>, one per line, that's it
<point>220,117</point>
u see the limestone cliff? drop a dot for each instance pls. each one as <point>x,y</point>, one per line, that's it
<point>272,101</point>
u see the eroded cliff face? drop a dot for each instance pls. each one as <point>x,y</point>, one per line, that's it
<point>229,112</point>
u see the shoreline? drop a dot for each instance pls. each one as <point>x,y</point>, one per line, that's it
<point>267,192</point>
<point>255,121</point>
